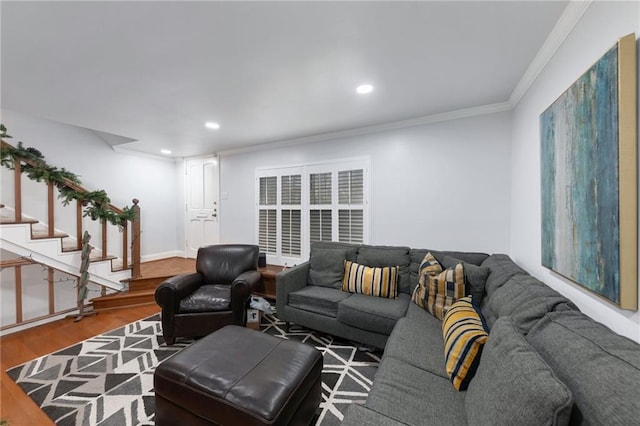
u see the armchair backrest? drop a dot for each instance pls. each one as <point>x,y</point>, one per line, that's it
<point>221,264</point>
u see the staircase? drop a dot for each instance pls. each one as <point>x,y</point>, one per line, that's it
<point>35,241</point>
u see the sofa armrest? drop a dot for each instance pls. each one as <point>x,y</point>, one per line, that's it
<point>172,290</point>
<point>359,415</point>
<point>241,289</point>
<point>288,281</point>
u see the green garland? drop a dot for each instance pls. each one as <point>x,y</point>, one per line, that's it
<point>96,203</point>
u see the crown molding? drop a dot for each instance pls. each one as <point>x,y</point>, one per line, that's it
<point>378,128</point>
<point>567,21</point>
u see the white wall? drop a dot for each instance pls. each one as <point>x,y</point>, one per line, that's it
<point>440,186</point>
<point>123,176</point>
<point>597,31</point>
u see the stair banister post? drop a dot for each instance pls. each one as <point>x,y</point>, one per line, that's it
<point>50,218</point>
<point>17,189</point>
<point>135,240</point>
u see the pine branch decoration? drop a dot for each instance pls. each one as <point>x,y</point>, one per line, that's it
<point>96,203</point>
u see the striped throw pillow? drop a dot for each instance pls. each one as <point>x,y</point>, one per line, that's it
<point>444,289</point>
<point>465,332</point>
<point>380,282</point>
<point>428,267</point>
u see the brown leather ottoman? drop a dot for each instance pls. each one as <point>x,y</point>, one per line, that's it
<point>238,376</point>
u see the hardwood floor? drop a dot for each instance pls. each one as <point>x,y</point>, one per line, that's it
<point>16,407</point>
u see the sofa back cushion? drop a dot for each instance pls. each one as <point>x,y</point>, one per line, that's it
<point>526,300</point>
<point>380,256</point>
<point>601,368</point>
<point>502,268</point>
<point>514,386</point>
<point>327,263</point>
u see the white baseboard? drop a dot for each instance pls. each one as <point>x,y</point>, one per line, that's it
<point>163,255</point>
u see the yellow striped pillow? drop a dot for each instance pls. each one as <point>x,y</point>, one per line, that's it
<point>444,289</point>
<point>428,267</point>
<point>380,282</point>
<point>465,333</point>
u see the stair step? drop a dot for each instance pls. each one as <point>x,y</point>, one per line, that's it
<point>100,258</point>
<point>13,221</point>
<point>44,234</point>
<point>125,298</point>
<point>146,283</point>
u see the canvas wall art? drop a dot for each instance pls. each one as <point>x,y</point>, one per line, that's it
<point>589,179</point>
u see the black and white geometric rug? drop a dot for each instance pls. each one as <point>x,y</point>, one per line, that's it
<point>108,379</point>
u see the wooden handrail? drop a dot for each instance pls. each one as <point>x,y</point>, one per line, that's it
<point>135,231</point>
<point>67,182</point>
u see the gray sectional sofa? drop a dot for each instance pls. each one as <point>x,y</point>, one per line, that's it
<point>544,362</point>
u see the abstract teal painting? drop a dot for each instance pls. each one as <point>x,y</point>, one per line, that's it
<point>583,227</point>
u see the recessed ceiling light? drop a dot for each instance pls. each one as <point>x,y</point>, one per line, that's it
<point>364,88</point>
<point>212,125</point>
<point>165,151</point>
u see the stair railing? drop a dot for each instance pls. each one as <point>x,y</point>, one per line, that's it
<point>52,310</point>
<point>132,241</point>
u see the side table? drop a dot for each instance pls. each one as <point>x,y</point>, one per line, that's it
<point>268,289</point>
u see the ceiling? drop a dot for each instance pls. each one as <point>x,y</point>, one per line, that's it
<point>148,75</point>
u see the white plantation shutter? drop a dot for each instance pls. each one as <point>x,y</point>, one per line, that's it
<point>267,217</point>
<point>299,205</point>
<point>291,219</point>
<point>320,225</point>
<point>351,206</point>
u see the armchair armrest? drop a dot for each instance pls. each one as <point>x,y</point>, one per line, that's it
<point>172,290</point>
<point>241,288</point>
<point>288,281</point>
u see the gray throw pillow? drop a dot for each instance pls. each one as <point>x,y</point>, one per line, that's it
<point>327,267</point>
<point>475,276</point>
<point>514,385</point>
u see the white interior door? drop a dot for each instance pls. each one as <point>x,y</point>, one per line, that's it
<point>203,210</point>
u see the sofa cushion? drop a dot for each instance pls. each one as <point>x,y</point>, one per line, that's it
<point>417,340</point>
<point>464,333</point>
<point>388,256</point>
<point>327,266</point>
<point>207,298</point>
<point>444,289</point>
<point>525,299</point>
<point>370,281</point>
<point>475,277</point>
<point>514,386</point>
<point>601,368</point>
<point>321,300</point>
<point>502,269</point>
<point>372,313</point>
<point>414,396</point>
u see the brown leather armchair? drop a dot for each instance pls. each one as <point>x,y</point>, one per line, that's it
<point>194,305</point>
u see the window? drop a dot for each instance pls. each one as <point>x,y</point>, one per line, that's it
<point>351,206</point>
<point>299,205</point>
<point>291,214</point>
<point>267,214</point>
